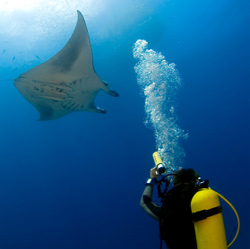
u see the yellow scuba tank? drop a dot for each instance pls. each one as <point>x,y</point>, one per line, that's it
<point>208,220</point>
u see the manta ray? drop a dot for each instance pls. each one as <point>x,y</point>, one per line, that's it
<point>67,82</point>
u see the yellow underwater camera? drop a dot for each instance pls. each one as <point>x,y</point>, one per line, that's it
<point>160,168</point>
<point>207,214</point>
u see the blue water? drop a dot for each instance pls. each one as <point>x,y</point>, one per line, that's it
<point>76,182</point>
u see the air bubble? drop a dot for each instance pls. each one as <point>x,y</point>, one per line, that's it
<point>160,81</point>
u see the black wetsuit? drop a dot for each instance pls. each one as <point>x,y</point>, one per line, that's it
<point>175,216</point>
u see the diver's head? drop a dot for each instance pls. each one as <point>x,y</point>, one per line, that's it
<point>185,176</point>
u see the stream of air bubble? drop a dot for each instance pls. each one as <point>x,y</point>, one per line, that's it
<point>159,82</point>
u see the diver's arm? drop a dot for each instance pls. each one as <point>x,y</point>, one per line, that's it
<point>147,205</point>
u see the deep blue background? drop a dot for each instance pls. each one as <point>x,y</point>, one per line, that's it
<point>76,182</point>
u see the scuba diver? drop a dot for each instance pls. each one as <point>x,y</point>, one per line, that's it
<point>175,216</point>
<point>190,215</point>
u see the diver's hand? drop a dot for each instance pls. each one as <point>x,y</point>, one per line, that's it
<point>153,173</point>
